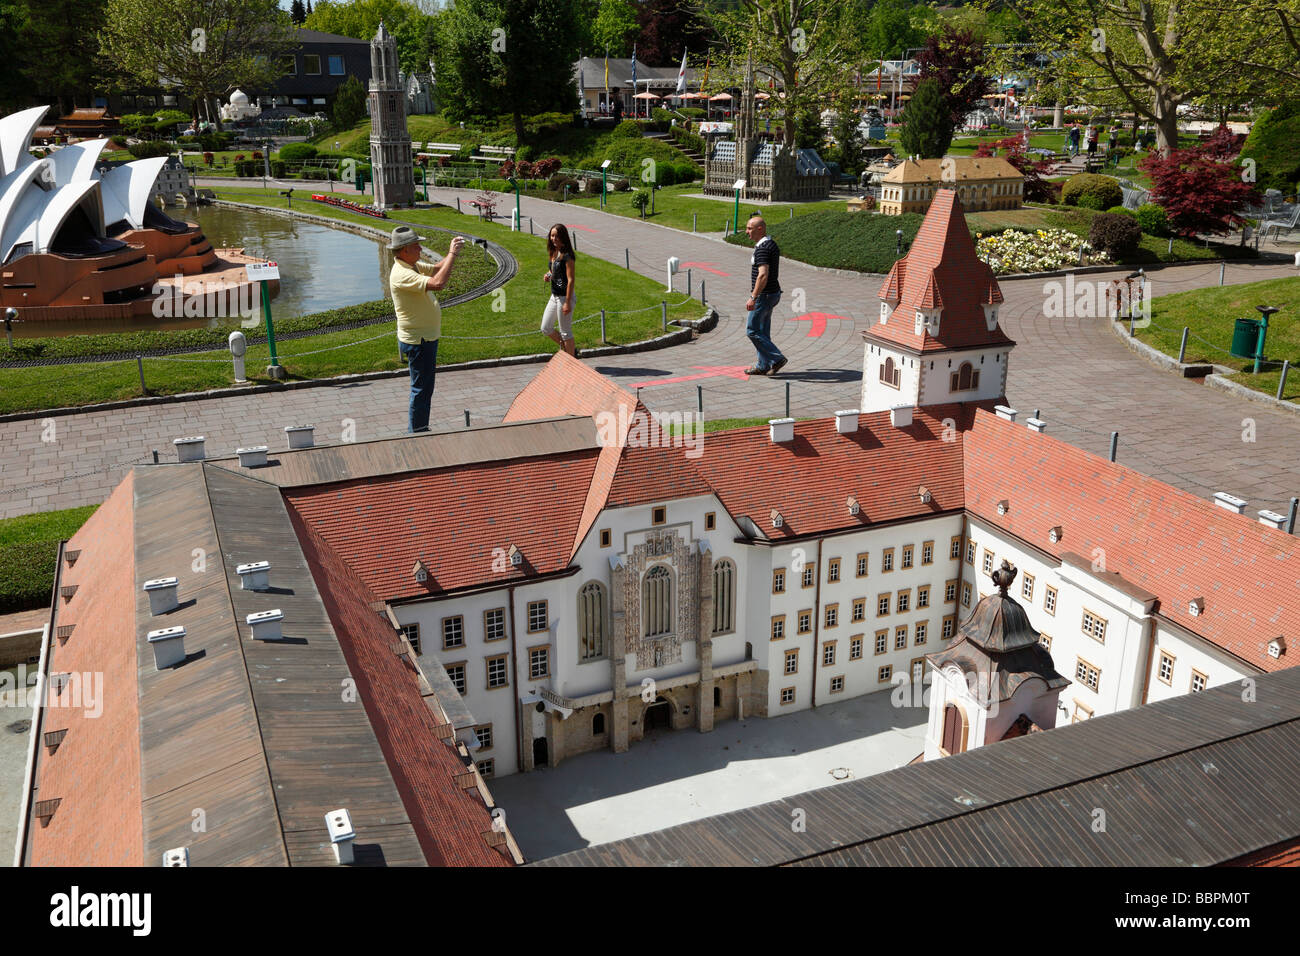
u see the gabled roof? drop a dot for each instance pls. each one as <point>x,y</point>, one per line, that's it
<point>941,271</point>
<point>952,169</point>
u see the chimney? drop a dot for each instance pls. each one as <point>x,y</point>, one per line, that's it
<point>782,430</point>
<point>1035,424</point>
<point>253,457</point>
<point>301,436</point>
<point>1273,520</point>
<point>338,823</point>
<point>900,416</point>
<point>846,421</point>
<point>162,595</point>
<point>266,625</point>
<point>1230,502</point>
<point>168,646</point>
<point>189,448</point>
<point>180,856</point>
<point>1005,411</point>
<point>255,576</point>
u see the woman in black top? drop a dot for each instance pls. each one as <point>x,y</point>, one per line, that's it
<point>557,320</point>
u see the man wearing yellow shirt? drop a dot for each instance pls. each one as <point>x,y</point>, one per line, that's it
<point>419,317</point>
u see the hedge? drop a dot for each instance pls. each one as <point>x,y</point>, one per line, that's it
<point>297,152</point>
<point>1115,235</point>
<point>29,547</point>
<point>1274,145</point>
<point>841,240</point>
<point>1092,191</point>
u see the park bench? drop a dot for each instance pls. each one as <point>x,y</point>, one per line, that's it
<point>494,154</point>
<point>436,150</point>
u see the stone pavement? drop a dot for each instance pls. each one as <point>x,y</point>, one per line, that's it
<point>1084,381</point>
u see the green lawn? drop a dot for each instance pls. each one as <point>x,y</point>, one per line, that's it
<point>675,206</point>
<point>496,325</point>
<point>28,552</point>
<point>1210,313</point>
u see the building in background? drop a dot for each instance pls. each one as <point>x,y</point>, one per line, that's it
<point>982,183</point>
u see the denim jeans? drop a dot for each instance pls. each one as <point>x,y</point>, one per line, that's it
<point>423,360</point>
<point>758,326</point>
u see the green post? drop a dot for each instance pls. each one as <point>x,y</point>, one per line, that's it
<point>1264,312</point>
<point>270,328</point>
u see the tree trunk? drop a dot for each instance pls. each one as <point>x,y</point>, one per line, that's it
<point>1165,109</point>
<point>519,129</point>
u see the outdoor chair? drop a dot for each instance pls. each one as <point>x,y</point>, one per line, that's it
<point>1282,221</point>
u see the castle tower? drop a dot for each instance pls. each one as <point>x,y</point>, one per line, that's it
<point>937,339</point>
<point>390,143</point>
<point>995,681</point>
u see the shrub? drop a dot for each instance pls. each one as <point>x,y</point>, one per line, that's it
<point>277,168</point>
<point>1274,145</point>
<point>257,154</point>
<point>557,183</point>
<point>1151,217</point>
<point>297,152</point>
<point>593,186</point>
<point>547,167</point>
<point>240,157</point>
<point>686,173</point>
<point>1092,191</point>
<point>149,149</point>
<point>628,129</point>
<point>207,159</point>
<point>1117,236</point>
<point>524,153</point>
<point>665,174</point>
<point>640,199</point>
<point>622,185</point>
<point>1121,211</point>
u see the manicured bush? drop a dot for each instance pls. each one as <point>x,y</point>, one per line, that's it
<point>1117,236</point>
<point>297,152</point>
<point>640,199</point>
<point>665,174</point>
<point>277,168</point>
<point>621,185</point>
<point>686,173</point>
<point>1151,217</point>
<point>839,239</point>
<point>1274,145</point>
<point>629,129</point>
<point>150,148</point>
<point>1092,191</point>
<point>1121,211</point>
<point>257,154</point>
<point>593,186</point>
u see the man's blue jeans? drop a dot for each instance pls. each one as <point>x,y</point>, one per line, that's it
<point>423,360</point>
<point>758,326</point>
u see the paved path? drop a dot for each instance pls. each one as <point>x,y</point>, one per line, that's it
<point>1084,381</point>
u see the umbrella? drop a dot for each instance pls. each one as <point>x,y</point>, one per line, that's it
<point>720,96</point>
<point>694,96</point>
<point>762,96</point>
<point>646,96</point>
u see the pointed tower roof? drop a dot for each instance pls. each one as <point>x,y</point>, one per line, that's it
<point>941,271</point>
<point>382,35</point>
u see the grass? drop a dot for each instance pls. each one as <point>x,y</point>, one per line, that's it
<point>724,424</point>
<point>675,206</point>
<point>493,326</point>
<point>1209,315</point>
<point>836,239</point>
<point>29,547</point>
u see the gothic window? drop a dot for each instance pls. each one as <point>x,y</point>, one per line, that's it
<point>591,621</point>
<point>890,373</point>
<point>724,597</point>
<point>657,601</point>
<point>966,378</point>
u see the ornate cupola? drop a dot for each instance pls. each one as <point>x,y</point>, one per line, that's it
<point>995,680</point>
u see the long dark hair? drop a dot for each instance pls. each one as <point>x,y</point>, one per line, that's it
<point>565,244</point>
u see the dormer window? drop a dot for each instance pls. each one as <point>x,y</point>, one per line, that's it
<point>927,320</point>
<point>991,316</point>
<point>1277,647</point>
<point>886,310</point>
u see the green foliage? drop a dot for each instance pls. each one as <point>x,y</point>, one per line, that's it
<point>297,152</point>
<point>626,155</point>
<point>413,29</point>
<point>1092,191</point>
<point>1118,236</point>
<point>665,174</point>
<point>1274,145</point>
<point>29,547</point>
<point>890,31</point>
<point>1151,217</point>
<point>628,129</point>
<point>614,27</point>
<point>640,199</point>
<point>1121,211</point>
<point>148,148</point>
<point>842,240</point>
<point>927,123</point>
<point>349,104</point>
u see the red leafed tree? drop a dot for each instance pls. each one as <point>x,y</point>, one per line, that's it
<point>1224,144</point>
<point>1012,149</point>
<point>956,59</point>
<point>1200,193</point>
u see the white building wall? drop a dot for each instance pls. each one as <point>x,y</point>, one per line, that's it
<point>1190,654</point>
<point>927,379</point>
<point>876,395</point>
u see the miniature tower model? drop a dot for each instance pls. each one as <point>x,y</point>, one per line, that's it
<point>390,143</point>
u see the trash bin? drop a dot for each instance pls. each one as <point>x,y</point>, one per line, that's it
<point>1245,337</point>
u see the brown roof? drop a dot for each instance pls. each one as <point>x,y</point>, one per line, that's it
<point>952,169</point>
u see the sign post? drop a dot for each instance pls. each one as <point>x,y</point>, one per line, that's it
<point>735,223</point>
<point>604,180</point>
<point>262,273</point>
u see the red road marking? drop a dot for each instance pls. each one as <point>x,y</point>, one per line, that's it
<point>706,267</point>
<point>818,320</point>
<point>583,228</point>
<point>706,371</point>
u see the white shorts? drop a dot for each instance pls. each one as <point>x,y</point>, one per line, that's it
<point>554,315</point>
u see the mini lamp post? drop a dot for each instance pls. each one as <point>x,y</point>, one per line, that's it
<point>262,273</point>
<point>519,218</point>
<point>735,222</point>
<point>604,182</point>
<point>288,195</point>
<point>898,234</point>
<point>1264,312</point>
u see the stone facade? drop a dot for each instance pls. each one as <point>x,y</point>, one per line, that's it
<point>390,142</point>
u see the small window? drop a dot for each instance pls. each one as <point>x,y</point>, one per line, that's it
<point>805,622</point>
<point>710,520</point>
<point>1094,626</point>
<point>832,615</point>
<point>1199,682</point>
<point>792,661</point>
<point>965,594</point>
<point>1049,599</point>
<point>778,581</point>
<point>885,674</point>
<point>1166,670</point>
<point>807,576</point>
<point>538,616</point>
<point>1087,674</point>
<point>923,596</point>
<point>862,565</point>
<point>887,560</point>
<point>949,626</point>
<point>882,605</point>
<point>907,557</point>
<point>970,553</point>
<point>855,648</point>
<point>659,515</point>
<point>882,641</point>
<point>487,768</point>
<point>311,64</point>
<point>833,570</point>
<point>904,602</point>
<point>900,637</point>
<point>828,654</point>
<point>949,592</point>
<point>1046,641</point>
<point>456,673</point>
<point>597,725</point>
<point>498,674</point>
<point>778,627</point>
<point>336,65</point>
<point>604,537</point>
<point>837,684</point>
<point>954,548</point>
<point>988,562</point>
<point>539,662</point>
<point>494,624</point>
<point>927,552</point>
<point>922,629</point>
<point>453,632</point>
<point>484,735</point>
<point>859,609</point>
<point>1027,587</point>
<point>787,695</point>
<point>412,633</point>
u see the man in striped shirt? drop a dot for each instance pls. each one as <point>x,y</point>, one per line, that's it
<point>765,285</point>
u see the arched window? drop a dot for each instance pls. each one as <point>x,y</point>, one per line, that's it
<point>724,597</point>
<point>717,697</point>
<point>890,373</point>
<point>591,621</point>
<point>657,601</point>
<point>966,378</point>
<point>597,725</point>
<point>954,730</point>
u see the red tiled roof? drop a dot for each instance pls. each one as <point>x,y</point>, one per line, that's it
<point>453,520</point>
<point>653,473</point>
<point>449,822</point>
<point>810,479</point>
<point>1173,544</point>
<point>941,270</point>
<point>96,770</point>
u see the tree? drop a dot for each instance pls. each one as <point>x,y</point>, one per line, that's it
<point>615,25</point>
<point>412,28</point>
<point>49,49</point>
<point>927,123</point>
<point>1200,192</point>
<point>668,28</point>
<point>297,12</point>
<point>955,58</point>
<point>202,47</point>
<point>349,104</point>
<point>889,30</point>
<point>508,56</point>
<point>848,135</point>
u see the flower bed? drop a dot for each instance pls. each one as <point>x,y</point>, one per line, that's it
<point>1044,250</point>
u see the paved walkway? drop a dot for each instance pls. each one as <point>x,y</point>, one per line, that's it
<point>1084,381</point>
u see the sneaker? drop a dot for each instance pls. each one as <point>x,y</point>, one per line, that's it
<point>755,370</point>
<point>781,363</point>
